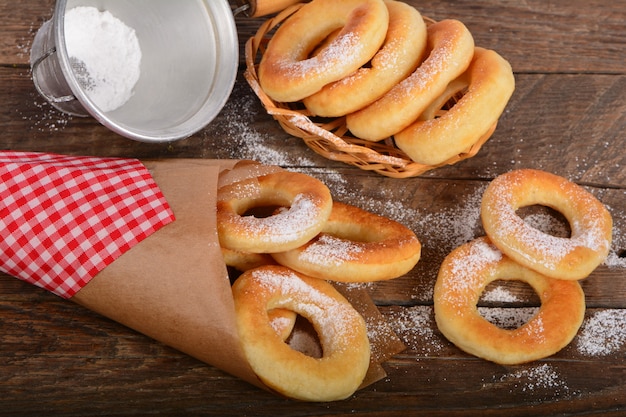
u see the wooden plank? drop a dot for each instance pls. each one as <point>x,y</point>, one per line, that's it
<point>534,36</point>
<point>550,123</point>
<point>567,116</point>
<point>68,344</point>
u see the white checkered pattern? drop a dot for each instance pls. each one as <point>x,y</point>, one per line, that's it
<point>64,218</point>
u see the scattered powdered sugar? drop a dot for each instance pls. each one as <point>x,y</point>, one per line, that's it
<point>105,55</point>
<point>330,251</point>
<point>616,259</point>
<point>415,326</point>
<point>242,140</point>
<point>439,232</point>
<point>547,224</point>
<point>536,378</point>
<point>602,333</point>
<point>499,294</point>
<point>617,254</point>
<point>47,119</point>
<point>508,318</point>
<point>443,230</point>
<point>25,42</point>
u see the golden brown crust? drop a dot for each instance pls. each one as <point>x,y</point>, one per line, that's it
<point>287,73</point>
<point>490,84</point>
<point>450,50</point>
<point>356,246</point>
<point>307,202</point>
<point>462,278</point>
<point>396,59</point>
<point>563,258</point>
<point>341,330</point>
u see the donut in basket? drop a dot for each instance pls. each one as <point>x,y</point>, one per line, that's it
<point>376,85</point>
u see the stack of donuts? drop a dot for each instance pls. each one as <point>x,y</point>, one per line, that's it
<point>514,250</point>
<point>379,65</point>
<point>288,238</point>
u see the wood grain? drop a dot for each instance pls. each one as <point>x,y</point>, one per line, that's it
<point>567,116</point>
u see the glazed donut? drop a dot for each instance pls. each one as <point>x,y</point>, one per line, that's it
<point>490,84</point>
<point>557,257</point>
<point>307,200</point>
<point>341,330</point>
<point>397,58</point>
<point>463,276</point>
<point>450,47</point>
<point>287,73</point>
<point>355,246</point>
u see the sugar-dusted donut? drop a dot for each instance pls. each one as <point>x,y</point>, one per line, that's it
<point>490,83</point>
<point>462,278</point>
<point>307,202</point>
<point>288,73</point>
<point>355,246</point>
<point>450,48</point>
<point>397,58</point>
<point>341,330</point>
<point>558,257</point>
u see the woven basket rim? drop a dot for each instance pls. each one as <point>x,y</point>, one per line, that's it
<point>329,137</point>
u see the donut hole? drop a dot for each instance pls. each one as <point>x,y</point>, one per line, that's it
<point>446,101</point>
<point>508,304</point>
<point>354,232</point>
<point>296,331</point>
<point>304,338</point>
<point>451,99</point>
<point>264,210</point>
<point>233,274</point>
<point>546,220</point>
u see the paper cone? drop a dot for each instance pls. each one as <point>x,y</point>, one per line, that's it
<point>174,286</point>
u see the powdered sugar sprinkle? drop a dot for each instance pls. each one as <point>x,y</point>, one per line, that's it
<point>330,251</point>
<point>602,333</point>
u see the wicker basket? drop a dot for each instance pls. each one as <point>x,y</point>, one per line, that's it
<point>330,137</point>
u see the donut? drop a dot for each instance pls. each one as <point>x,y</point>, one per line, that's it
<point>450,47</point>
<point>462,278</point>
<point>490,84</point>
<point>288,73</point>
<point>397,58</point>
<point>570,258</point>
<point>341,330</point>
<point>355,246</point>
<point>307,203</point>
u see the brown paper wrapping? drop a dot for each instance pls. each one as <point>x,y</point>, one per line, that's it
<point>174,285</point>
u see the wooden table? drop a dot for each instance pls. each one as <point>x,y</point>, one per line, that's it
<point>567,116</point>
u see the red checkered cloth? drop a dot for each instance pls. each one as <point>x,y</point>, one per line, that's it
<point>65,218</point>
